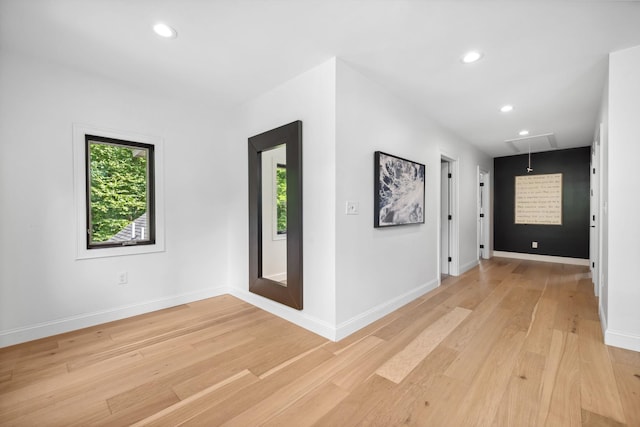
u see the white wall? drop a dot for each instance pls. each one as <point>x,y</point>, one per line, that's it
<point>274,247</point>
<point>43,288</point>
<point>378,270</point>
<point>353,273</point>
<point>309,97</point>
<point>623,314</point>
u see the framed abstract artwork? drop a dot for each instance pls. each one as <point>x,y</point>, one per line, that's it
<point>399,191</point>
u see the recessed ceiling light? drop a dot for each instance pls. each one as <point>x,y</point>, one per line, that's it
<point>471,56</point>
<point>506,108</point>
<point>163,30</point>
<point>523,132</point>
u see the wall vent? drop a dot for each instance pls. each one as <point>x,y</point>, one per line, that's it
<point>543,142</point>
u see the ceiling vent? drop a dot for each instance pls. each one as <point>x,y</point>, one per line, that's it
<point>535,143</point>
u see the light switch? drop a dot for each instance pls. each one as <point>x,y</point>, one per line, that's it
<point>353,208</point>
<point>123,278</point>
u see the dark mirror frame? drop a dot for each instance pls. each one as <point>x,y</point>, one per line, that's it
<point>291,294</point>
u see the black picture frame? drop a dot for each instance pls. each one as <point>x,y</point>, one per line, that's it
<point>399,191</point>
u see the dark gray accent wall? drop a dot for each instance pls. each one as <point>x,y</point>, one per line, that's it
<point>571,239</point>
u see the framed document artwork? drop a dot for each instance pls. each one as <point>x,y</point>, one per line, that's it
<point>538,199</point>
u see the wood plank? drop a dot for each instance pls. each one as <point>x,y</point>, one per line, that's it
<point>460,338</point>
<point>237,403</point>
<point>199,402</point>
<point>170,333</point>
<point>470,296</point>
<point>481,402</point>
<point>625,357</point>
<point>349,377</point>
<point>628,380</point>
<point>296,389</point>
<point>598,387</point>
<point>564,408</point>
<point>567,314</point>
<point>309,409</point>
<point>5,377</point>
<point>205,378</point>
<point>521,402</point>
<point>522,302</point>
<point>137,404</point>
<point>409,398</point>
<point>589,419</point>
<point>21,377</point>
<point>338,346</point>
<point>436,401</point>
<point>540,332</point>
<point>552,364</point>
<point>397,368</point>
<point>468,362</point>
<point>404,323</point>
<point>373,392</point>
<point>78,412</point>
<point>45,392</point>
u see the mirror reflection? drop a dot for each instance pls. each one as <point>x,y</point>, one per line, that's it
<point>274,214</point>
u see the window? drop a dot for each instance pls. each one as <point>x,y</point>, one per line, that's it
<point>281,199</point>
<point>120,192</point>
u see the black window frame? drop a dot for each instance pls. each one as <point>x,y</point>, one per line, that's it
<point>151,200</point>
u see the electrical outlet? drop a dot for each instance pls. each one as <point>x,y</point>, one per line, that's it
<point>353,208</point>
<point>534,245</point>
<point>123,278</point>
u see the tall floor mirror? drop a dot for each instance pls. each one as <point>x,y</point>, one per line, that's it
<point>275,214</point>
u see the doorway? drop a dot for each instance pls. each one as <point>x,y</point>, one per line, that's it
<point>448,218</point>
<point>445,218</point>
<point>484,213</point>
<point>595,237</point>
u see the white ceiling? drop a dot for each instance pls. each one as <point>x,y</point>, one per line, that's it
<point>547,58</point>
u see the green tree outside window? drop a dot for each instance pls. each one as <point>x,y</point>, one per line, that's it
<point>281,198</point>
<point>118,188</point>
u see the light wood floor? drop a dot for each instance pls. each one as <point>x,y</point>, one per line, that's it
<point>511,343</point>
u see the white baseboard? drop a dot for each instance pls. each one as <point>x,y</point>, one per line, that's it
<point>617,338</point>
<point>72,323</point>
<point>622,339</point>
<point>313,324</point>
<point>300,318</point>
<point>325,329</point>
<point>543,258</point>
<point>358,322</point>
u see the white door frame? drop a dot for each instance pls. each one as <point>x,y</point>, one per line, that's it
<point>454,265</point>
<point>601,211</point>
<point>596,208</point>
<point>483,222</point>
<point>444,229</point>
